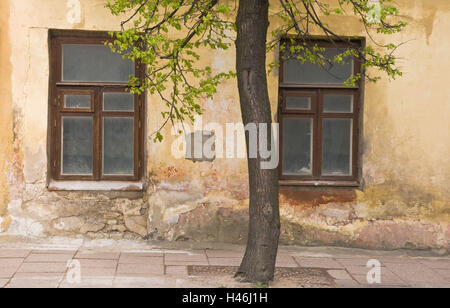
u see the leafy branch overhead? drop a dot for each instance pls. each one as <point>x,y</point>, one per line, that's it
<point>170,36</point>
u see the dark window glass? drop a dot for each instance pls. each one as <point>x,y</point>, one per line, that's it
<point>298,103</point>
<point>118,151</point>
<point>333,103</point>
<point>309,73</point>
<point>94,63</point>
<point>76,101</point>
<point>77,145</point>
<point>337,147</point>
<point>297,146</point>
<point>118,102</point>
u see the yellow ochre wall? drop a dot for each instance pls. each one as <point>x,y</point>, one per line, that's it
<point>6,114</point>
<point>404,201</point>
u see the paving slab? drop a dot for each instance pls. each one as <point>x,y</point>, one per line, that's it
<point>140,282</point>
<point>438,285</point>
<point>143,254</point>
<point>224,254</point>
<point>385,260</point>
<point>225,261</point>
<point>436,264</point>
<point>415,273</point>
<point>347,283</point>
<point>11,262</point>
<point>40,275</point>
<point>285,261</point>
<point>33,283</point>
<point>339,274</point>
<point>98,272</point>
<point>318,263</point>
<point>355,261</point>
<point>186,262</point>
<point>3,282</point>
<point>97,255</point>
<point>443,273</point>
<point>141,259</point>
<point>113,264</point>
<point>141,269</point>
<point>363,270</point>
<point>357,270</point>
<point>390,278</point>
<point>384,281</point>
<point>42,268</point>
<point>89,283</point>
<point>97,263</point>
<point>48,258</point>
<point>183,257</point>
<point>176,271</point>
<point>54,251</point>
<point>7,272</point>
<point>14,253</point>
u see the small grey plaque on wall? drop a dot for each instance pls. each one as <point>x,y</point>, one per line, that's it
<point>200,146</point>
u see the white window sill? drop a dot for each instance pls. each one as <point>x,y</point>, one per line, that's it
<point>95,186</point>
<point>319,183</point>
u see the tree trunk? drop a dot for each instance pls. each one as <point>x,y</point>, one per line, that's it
<point>252,22</point>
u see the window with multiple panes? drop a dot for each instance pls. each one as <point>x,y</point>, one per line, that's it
<point>319,120</point>
<point>96,123</point>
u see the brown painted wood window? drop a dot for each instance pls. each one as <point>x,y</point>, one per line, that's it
<point>96,123</point>
<point>319,122</point>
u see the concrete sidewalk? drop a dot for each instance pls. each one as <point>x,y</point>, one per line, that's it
<point>142,264</point>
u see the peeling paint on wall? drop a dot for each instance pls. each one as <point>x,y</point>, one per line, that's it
<point>6,116</point>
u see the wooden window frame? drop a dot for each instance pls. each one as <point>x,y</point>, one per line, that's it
<point>317,91</point>
<point>58,88</point>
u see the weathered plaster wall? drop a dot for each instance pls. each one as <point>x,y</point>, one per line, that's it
<point>6,115</point>
<point>404,201</point>
<point>33,210</point>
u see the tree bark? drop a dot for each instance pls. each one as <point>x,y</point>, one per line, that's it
<point>258,264</point>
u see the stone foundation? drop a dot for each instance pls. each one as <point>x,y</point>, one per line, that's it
<point>181,213</point>
<point>114,215</point>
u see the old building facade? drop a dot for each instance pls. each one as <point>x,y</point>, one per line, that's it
<point>395,192</point>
